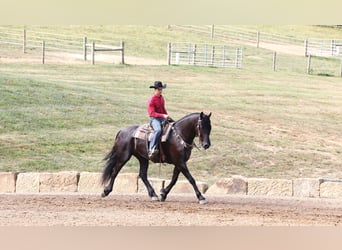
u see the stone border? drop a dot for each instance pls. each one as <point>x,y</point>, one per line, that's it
<point>301,187</point>
<point>128,183</point>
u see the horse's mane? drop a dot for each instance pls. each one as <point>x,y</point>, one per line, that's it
<point>186,117</point>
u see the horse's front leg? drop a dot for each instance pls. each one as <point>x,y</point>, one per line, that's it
<point>165,191</point>
<point>185,171</point>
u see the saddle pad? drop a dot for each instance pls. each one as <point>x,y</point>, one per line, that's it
<point>146,131</point>
<point>143,132</point>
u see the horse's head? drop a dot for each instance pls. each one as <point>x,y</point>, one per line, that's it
<point>204,128</point>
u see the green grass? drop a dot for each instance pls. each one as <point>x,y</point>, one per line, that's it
<point>282,124</point>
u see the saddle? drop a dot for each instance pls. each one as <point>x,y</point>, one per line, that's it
<point>145,133</point>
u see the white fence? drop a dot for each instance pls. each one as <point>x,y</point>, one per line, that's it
<point>279,43</point>
<point>45,45</point>
<point>33,44</point>
<point>324,47</point>
<point>204,55</point>
<point>242,35</point>
<point>95,47</point>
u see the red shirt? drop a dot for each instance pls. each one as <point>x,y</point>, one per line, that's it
<point>156,106</point>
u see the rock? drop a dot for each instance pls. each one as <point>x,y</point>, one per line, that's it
<point>28,183</point>
<point>90,183</point>
<point>235,185</point>
<point>272,187</point>
<point>7,182</point>
<point>306,187</point>
<point>59,182</point>
<point>331,189</point>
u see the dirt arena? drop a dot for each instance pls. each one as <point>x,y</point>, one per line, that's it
<point>178,210</point>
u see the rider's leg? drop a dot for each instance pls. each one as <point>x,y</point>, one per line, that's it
<point>156,125</point>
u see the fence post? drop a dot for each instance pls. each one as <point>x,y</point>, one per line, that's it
<point>212,32</point>
<point>332,47</point>
<point>237,58</point>
<point>189,53</point>
<point>213,56</point>
<point>224,55</point>
<point>43,52</point>
<point>258,39</point>
<point>206,54</point>
<point>93,53</point>
<point>85,48</point>
<point>24,41</point>
<point>195,50</point>
<point>309,65</point>
<point>122,52</point>
<point>241,56</point>
<point>169,54</point>
<point>274,60</point>
<point>306,47</point>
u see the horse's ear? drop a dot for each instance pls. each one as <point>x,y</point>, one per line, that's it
<point>209,115</point>
<point>201,115</point>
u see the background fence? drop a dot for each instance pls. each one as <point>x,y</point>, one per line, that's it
<point>249,49</point>
<point>324,47</point>
<point>204,55</point>
<point>43,45</point>
<point>243,36</point>
<point>287,44</point>
<point>277,51</point>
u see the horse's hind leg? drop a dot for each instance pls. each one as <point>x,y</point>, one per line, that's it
<point>109,188</point>
<point>118,163</point>
<point>165,191</point>
<point>143,175</point>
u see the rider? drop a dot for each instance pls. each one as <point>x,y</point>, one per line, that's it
<point>157,112</point>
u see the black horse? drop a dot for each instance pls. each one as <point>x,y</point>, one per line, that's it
<point>176,151</point>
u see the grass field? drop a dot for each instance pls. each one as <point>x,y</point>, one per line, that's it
<point>283,124</point>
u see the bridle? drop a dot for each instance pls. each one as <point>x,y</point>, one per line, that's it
<point>199,122</point>
<point>188,145</point>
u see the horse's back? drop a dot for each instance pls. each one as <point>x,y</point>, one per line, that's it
<point>128,132</point>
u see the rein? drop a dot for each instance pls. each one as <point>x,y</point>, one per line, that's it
<point>183,142</point>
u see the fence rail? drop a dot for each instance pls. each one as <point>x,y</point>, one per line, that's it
<point>324,47</point>
<point>102,47</point>
<point>287,44</point>
<point>204,55</point>
<point>33,42</point>
<point>326,55</point>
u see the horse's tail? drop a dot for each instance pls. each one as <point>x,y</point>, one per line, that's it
<point>110,164</point>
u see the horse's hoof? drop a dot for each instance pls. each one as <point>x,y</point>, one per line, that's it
<point>154,198</point>
<point>162,198</point>
<point>105,193</point>
<point>162,195</point>
<point>202,202</point>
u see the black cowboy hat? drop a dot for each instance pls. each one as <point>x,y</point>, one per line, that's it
<point>158,85</point>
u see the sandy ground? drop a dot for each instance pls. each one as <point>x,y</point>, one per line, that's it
<point>178,210</point>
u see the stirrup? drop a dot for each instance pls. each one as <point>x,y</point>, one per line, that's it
<point>153,153</point>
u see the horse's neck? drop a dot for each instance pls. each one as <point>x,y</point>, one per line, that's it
<point>187,129</point>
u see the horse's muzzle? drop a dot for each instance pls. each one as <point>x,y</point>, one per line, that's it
<point>206,145</point>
